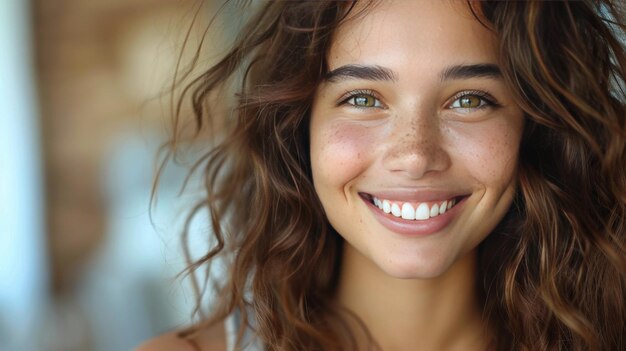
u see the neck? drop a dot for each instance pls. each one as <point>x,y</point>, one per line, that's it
<point>440,313</point>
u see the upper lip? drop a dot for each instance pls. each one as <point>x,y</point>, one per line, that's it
<point>414,195</point>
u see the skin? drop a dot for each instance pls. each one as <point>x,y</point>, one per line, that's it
<point>411,136</point>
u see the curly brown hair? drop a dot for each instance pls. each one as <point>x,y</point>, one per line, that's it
<point>553,272</point>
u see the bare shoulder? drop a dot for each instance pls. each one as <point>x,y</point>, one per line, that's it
<point>210,339</point>
<point>169,341</point>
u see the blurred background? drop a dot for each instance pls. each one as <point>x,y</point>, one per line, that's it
<point>85,263</point>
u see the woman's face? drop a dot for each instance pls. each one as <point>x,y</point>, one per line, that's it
<point>414,120</point>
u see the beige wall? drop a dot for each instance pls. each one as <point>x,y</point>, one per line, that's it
<point>99,62</point>
<point>104,68</point>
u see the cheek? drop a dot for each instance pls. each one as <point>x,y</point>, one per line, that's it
<point>339,152</point>
<point>490,152</point>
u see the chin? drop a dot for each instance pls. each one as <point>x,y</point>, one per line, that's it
<point>415,269</point>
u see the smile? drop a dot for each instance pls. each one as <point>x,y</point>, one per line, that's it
<point>414,211</point>
<point>414,214</point>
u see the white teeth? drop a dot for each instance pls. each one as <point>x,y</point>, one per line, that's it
<point>422,212</point>
<point>434,211</point>
<point>386,206</point>
<point>443,207</point>
<point>395,210</point>
<point>407,211</point>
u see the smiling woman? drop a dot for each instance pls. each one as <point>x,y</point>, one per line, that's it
<point>392,125</point>
<point>418,175</point>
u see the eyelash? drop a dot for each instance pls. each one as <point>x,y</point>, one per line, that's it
<point>360,93</point>
<point>487,100</point>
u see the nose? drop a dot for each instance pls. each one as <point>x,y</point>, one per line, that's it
<point>415,147</point>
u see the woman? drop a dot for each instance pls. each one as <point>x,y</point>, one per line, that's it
<point>418,175</point>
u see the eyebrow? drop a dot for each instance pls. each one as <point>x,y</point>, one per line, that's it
<point>379,73</point>
<point>484,70</point>
<point>376,73</point>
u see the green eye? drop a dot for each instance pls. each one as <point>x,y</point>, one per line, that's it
<point>363,100</point>
<point>471,101</point>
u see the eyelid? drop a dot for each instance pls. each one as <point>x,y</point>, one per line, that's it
<point>488,98</point>
<point>357,92</point>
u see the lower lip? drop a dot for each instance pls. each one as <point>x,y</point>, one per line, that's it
<point>413,227</point>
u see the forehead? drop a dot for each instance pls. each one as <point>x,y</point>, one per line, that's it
<point>409,33</point>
